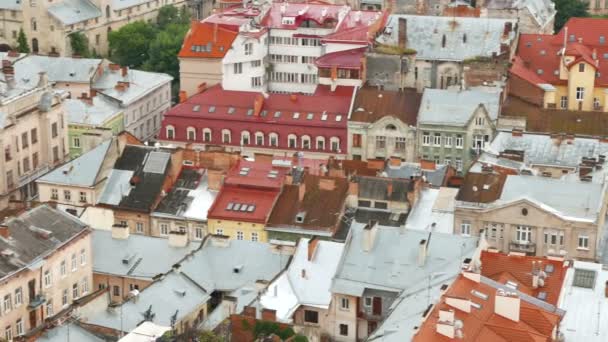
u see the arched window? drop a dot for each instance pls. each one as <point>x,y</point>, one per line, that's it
<point>170,131</point>
<point>35,45</point>
<point>306,142</point>
<point>259,138</point>
<point>273,139</point>
<point>292,141</point>
<point>108,11</point>
<point>206,134</point>
<point>191,133</point>
<point>391,127</point>
<point>245,138</point>
<point>334,144</point>
<point>226,136</point>
<point>320,143</point>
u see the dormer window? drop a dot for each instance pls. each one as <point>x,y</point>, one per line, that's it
<point>288,20</point>
<point>571,38</point>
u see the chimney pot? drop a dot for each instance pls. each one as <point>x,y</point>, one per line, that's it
<point>422,252</point>
<point>4,232</point>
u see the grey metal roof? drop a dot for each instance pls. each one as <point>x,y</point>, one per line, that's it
<point>174,293</point>
<point>569,199</point>
<point>391,264</point>
<point>14,5</point>
<point>3,117</point>
<point>213,266</point>
<point>484,36</point>
<point>96,115</point>
<point>81,171</point>
<point>138,256</point>
<point>68,332</point>
<point>116,187</point>
<point>27,233</point>
<point>122,4</point>
<point>542,149</point>
<point>65,69</point>
<point>70,12</point>
<point>140,84</point>
<point>455,107</point>
<point>543,11</point>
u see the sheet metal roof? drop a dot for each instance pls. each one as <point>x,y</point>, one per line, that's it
<point>14,5</point>
<point>541,10</point>
<point>79,112</point>
<point>146,256</point>
<point>81,171</point>
<point>455,108</point>
<point>140,84</point>
<point>70,12</point>
<point>484,36</point>
<point>68,332</point>
<point>435,206</point>
<point>116,187</point>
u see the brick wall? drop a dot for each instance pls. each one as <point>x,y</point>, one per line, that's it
<point>525,90</point>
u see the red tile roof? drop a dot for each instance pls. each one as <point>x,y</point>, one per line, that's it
<point>259,203</point>
<point>347,59</point>
<point>518,269</point>
<point>218,38</point>
<point>538,54</point>
<point>256,174</point>
<point>483,324</point>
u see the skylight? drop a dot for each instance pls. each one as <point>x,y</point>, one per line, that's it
<point>584,278</point>
<point>212,109</point>
<point>480,295</point>
<point>249,112</point>
<point>339,118</point>
<point>324,117</point>
<point>277,114</point>
<point>231,110</point>
<point>296,115</point>
<point>196,108</point>
<point>310,116</point>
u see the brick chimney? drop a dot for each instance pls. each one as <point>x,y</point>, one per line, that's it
<point>249,311</point>
<point>258,103</point>
<point>120,232</point>
<point>183,96</point>
<point>201,88</point>
<point>4,232</point>
<point>312,247</point>
<point>517,133</point>
<point>369,235</point>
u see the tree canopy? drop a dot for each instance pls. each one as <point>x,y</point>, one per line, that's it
<point>129,45</point>
<point>79,44</point>
<point>163,50</point>
<point>567,9</point>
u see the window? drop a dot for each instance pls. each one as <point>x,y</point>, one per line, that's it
<point>248,49</point>
<point>8,305</point>
<point>344,303</point>
<point>34,160</point>
<point>164,229</point>
<point>256,82</point>
<point>581,67</point>
<point>84,286</point>
<point>254,236</point>
<point>67,195</point>
<point>19,327</point>
<point>400,144</point>
<point>225,136</point>
<point>49,308</point>
<point>437,139</point>
<point>380,142</point>
<point>238,68</point>
<point>83,196</point>
<point>524,234</point>
<point>311,316</point>
<point>7,153</point>
<point>596,103</point>
<point>64,297</point>
<point>48,279</point>
<point>191,133</point>
<point>580,93</point>
<point>83,257</point>
<point>274,139</point>
<point>344,329</point>
<point>465,228</point>
<point>26,164</point>
<point>76,142</point>
<point>115,290</point>
<point>367,302</point>
<point>54,130</point>
<point>306,142</point>
<point>259,138</point>
<point>459,141</point>
<point>74,263</point>
<point>219,231</point>
<point>584,278</point>
<point>139,227</point>
<point>170,132</point>
<point>18,296</point>
<point>356,140</point>
<point>75,290</point>
<point>239,235</point>
<point>292,141</point>
<point>583,242</point>
<point>198,233</point>
<point>54,194</point>
<point>447,140</point>
<point>34,135</point>
<point>426,138</point>
<point>320,143</point>
<point>256,63</point>
<point>563,102</point>
<point>8,333</point>
<point>24,140</point>
<point>206,135</point>
<point>479,121</point>
<point>335,144</point>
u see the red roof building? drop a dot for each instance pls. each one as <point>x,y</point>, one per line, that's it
<point>567,70</point>
<point>475,308</point>
<point>250,122</point>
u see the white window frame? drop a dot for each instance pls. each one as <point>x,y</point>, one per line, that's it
<point>191,131</point>
<point>164,229</point>
<point>170,132</point>
<point>320,143</point>
<point>305,142</point>
<point>583,242</point>
<point>255,236</point>
<point>245,138</point>
<point>226,133</point>
<point>447,140</point>
<point>240,235</point>
<point>344,303</point>
<point>580,93</point>
<point>334,144</point>
<point>465,228</point>
<point>563,102</point>
<point>292,138</point>
<point>523,234</point>
<point>273,139</point>
<point>259,135</point>
<point>426,138</point>
<point>459,141</point>
<point>48,278</point>
<point>205,132</point>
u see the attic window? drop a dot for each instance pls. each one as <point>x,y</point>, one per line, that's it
<point>324,117</point>
<point>296,115</point>
<point>249,112</point>
<point>310,116</point>
<point>230,206</point>
<point>277,114</point>
<point>549,268</point>
<point>476,305</point>
<point>529,44</point>
<point>606,56</point>
<point>288,20</point>
<point>584,278</point>
<point>480,295</point>
<point>231,110</point>
<point>196,108</point>
<point>264,113</point>
<point>539,71</point>
<point>543,52</point>
<point>542,295</point>
<point>339,118</point>
<point>571,38</point>
<point>212,109</point>
<point>251,208</point>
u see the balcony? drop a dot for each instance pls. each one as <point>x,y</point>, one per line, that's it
<point>36,301</point>
<point>523,247</point>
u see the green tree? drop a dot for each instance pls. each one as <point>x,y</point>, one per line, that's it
<point>567,9</point>
<point>163,50</point>
<point>80,44</point>
<point>167,15</point>
<point>130,44</point>
<point>22,42</point>
<point>209,336</point>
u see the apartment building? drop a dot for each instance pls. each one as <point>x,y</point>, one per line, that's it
<point>33,134</point>
<point>455,126</point>
<point>382,125</point>
<point>563,71</point>
<point>533,16</point>
<point>48,25</point>
<point>538,216</point>
<point>47,264</point>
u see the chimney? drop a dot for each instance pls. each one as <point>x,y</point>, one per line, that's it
<point>13,53</point>
<point>507,305</point>
<point>183,96</point>
<point>402,33</point>
<point>258,104</point>
<point>517,133</point>
<point>422,252</point>
<point>312,247</point>
<point>202,87</point>
<point>301,190</point>
<point>327,184</point>
<point>119,86</point>
<point>178,239</point>
<point>4,230</point>
<point>249,311</point>
<point>124,71</point>
<point>220,241</point>
<point>606,290</point>
<point>93,93</point>
<point>369,235</point>
<point>120,232</point>
<point>43,79</point>
<point>303,274</point>
<point>269,315</point>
